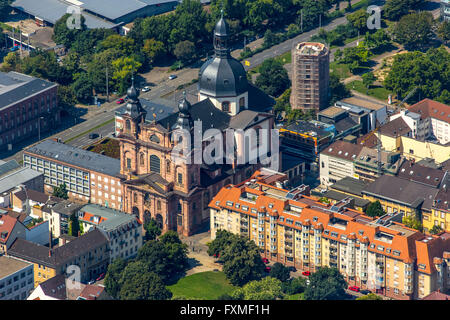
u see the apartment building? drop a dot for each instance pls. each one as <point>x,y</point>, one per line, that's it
<point>124,231</point>
<point>59,217</point>
<point>16,279</point>
<point>382,255</point>
<point>88,176</point>
<point>311,76</point>
<point>377,111</point>
<point>89,252</point>
<point>399,195</point>
<point>445,10</point>
<point>428,120</point>
<point>13,175</point>
<point>28,105</point>
<point>336,162</point>
<point>366,164</point>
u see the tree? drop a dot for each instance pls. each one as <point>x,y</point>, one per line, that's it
<point>113,275</point>
<point>326,284</point>
<point>358,19</point>
<point>152,230</point>
<point>415,29</point>
<point>294,285</point>
<point>338,90</point>
<point>82,87</point>
<point>4,9</point>
<point>370,296</point>
<point>123,68</point>
<point>153,49</point>
<point>395,9</point>
<point>280,272</point>
<point>270,38</point>
<point>139,284</point>
<point>185,51</point>
<point>10,62</point>
<point>443,31</point>
<point>242,261</point>
<point>66,97</point>
<point>74,227</point>
<point>411,221</point>
<point>65,36</point>
<point>273,77</point>
<point>436,229</point>
<point>220,243</point>
<point>267,288</point>
<point>374,209</point>
<point>356,56</point>
<point>165,257</point>
<point>426,71</point>
<point>61,191</point>
<point>122,44</point>
<point>378,40</point>
<point>368,79</point>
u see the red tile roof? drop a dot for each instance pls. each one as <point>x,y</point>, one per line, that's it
<point>7,225</point>
<point>430,108</point>
<point>436,295</point>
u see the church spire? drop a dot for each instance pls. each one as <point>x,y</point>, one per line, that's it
<point>221,34</point>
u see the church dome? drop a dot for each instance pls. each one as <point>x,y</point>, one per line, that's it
<point>222,75</point>
<point>132,93</point>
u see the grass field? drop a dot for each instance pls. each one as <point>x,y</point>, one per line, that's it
<point>297,296</point>
<point>376,92</point>
<point>341,70</point>
<point>204,285</point>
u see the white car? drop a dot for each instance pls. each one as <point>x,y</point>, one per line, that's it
<point>171,77</point>
<point>145,89</point>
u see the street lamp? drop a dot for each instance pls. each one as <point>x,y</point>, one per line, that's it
<point>39,128</point>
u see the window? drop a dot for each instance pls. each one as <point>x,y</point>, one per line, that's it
<point>154,164</point>
<point>168,166</point>
<point>226,106</point>
<point>180,178</point>
<point>128,163</point>
<point>141,159</point>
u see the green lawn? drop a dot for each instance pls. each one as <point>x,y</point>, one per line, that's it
<point>297,296</point>
<point>340,69</point>
<point>377,92</point>
<point>204,285</point>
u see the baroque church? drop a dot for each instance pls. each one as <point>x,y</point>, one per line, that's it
<point>177,194</point>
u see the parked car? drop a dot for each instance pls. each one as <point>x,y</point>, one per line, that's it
<point>100,277</point>
<point>292,269</point>
<point>265,260</point>
<point>93,135</point>
<point>267,269</point>
<point>120,101</point>
<point>173,76</point>
<point>354,288</point>
<point>306,273</point>
<point>364,291</point>
<point>14,48</point>
<point>91,282</point>
<point>145,89</point>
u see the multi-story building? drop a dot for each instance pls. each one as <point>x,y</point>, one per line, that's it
<point>399,195</point>
<point>377,111</point>
<point>176,192</point>
<point>382,255</point>
<point>13,175</point>
<point>89,252</point>
<point>310,76</point>
<point>27,105</point>
<point>16,279</point>
<point>10,230</point>
<point>306,140</point>
<point>367,166</point>
<point>428,119</point>
<point>346,122</point>
<point>124,231</point>
<point>88,176</point>
<point>336,162</point>
<point>348,187</point>
<point>59,216</point>
<point>445,10</point>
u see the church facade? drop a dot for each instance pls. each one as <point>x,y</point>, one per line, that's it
<point>176,193</point>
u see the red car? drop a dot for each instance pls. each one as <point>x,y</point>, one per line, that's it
<point>267,269</point>
<point>306,273</point>
<point>354,288</point>
<point>100,277</point>
<point>120,101</point>
<point>265,260</point>
<point>216,255</point>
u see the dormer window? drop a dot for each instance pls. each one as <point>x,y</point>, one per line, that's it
<point>226,106</point>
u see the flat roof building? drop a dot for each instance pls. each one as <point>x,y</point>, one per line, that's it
<point>16,278</point>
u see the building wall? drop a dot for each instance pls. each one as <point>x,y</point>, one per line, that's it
<point>235,107</point>
<point>106,190</point>
<point>421,150</point>
<point>437,217</point>
<point>39,233</point>
<point>19,121</point>
<point>333,169</point>
<point>389,206</point>
<point>17,285</point>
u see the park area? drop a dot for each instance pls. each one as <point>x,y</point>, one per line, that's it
<point>209,285</point>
